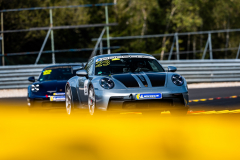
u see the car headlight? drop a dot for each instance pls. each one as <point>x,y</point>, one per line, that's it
<point>177,79</point>
<point>35,87</point>
<point>106,83</point>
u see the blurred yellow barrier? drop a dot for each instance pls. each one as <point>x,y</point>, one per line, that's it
<point>55,135</point>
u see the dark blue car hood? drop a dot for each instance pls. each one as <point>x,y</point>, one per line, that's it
<point>50,87</point>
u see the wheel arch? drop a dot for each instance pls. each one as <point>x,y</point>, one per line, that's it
<point>67,85</point>
<point>90,84</point>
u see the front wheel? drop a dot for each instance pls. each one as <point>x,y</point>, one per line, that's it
<point>68,100</point>
<point>91,101</point>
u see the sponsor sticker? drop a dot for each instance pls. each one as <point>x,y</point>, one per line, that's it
<point>148,57</point>
<point>59,94</point>
<point>149,96</point>
<point>112,57</point>
<point>105,58</point>
<point>86,87</point>
<point>116,59</point>
<point>133,56</point>
<point>57,98</point>
<point>99,59</point>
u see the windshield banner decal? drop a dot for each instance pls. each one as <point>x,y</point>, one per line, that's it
<point>46,72</point>
<point>118,57</point>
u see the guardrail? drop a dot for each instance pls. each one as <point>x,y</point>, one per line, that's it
<point>196,71</point>
<point>193,70</point>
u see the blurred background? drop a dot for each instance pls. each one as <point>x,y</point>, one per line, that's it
<point>133,18</point>
<point>200,37</point>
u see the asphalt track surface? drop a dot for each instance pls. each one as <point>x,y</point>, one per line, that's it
<point>225,98</point>
<point>221,98</point>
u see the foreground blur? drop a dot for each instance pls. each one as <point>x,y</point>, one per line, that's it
<point>52,134</point>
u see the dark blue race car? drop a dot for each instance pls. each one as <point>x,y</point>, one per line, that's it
<point>50,86</point>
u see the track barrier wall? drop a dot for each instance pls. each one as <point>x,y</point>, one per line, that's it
<point>195,71</point>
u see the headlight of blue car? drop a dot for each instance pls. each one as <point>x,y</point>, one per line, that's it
<point>35,87</point>
<point>106,83</point>
<point>177,79</point>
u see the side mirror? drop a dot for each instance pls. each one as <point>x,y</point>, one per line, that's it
<point>31,79</point>
<point>172,69</point>
<point>82,73</point>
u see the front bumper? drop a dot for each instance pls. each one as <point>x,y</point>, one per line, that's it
<point>42,101</point>
<point>126,99</point>
<point>174,101</point>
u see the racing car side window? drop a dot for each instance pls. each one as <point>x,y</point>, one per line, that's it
<point>89,67</point>
<point>155,66</point>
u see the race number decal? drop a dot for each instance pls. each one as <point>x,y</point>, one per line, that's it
<point>86,87</point>
<point>106,63</point>
<point>99,64</point>
<point>46,72</point>
<point>102,63</point>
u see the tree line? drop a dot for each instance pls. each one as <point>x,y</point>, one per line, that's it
<point>134,17</point>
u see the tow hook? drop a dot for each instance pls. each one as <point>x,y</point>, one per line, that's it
<point>131,96</point>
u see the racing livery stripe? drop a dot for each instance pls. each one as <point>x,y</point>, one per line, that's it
<point>127,79</point>
<point>157,80</point>
<point>142,79</point>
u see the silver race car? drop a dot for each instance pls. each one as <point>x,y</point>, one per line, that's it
<point>127,82</point>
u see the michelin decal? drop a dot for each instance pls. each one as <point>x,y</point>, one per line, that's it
<point>149,96</point>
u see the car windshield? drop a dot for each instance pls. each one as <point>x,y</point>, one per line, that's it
<point>126,65</point>
<point>57,73</point>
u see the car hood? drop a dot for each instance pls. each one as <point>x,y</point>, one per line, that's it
<point>50,87</point>
<point>136,79</point>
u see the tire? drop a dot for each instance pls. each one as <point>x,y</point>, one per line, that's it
<point>179,112</point>
<point>68,101</point>
<point>91,101</point>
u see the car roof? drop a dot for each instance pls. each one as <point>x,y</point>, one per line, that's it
<point>61,65</point>
<point>121,54</point>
